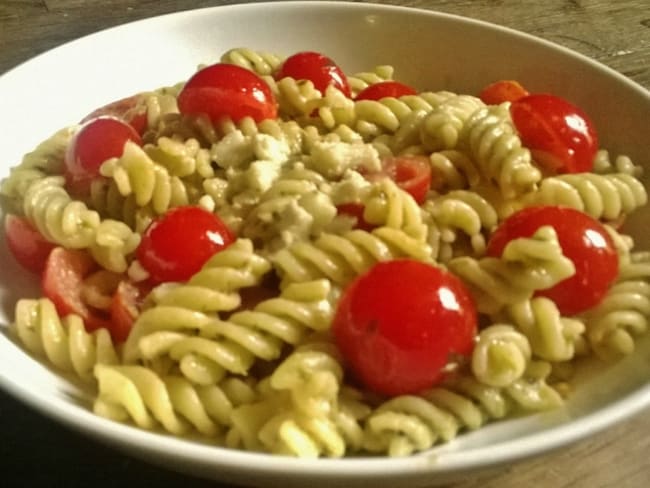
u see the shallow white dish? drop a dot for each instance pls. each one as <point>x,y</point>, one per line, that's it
<point>429,50</point>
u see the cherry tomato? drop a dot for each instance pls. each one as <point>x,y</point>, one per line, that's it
<point>384,89</point>
<point>62,282</point>
<point>176,246</point>
<point>131,110</point>
<point>583,240</point>
<point>399,324</point>
<point>412,174</point>
<point>559,135</point>
<point>96,141</point>
<point>502,91</point>
<point>26,243</point>
<point>317,68</point>
<point>355,209</point>
<point>125,308</point>
<point>227,91</point>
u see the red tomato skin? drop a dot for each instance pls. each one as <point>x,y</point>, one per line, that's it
<point>560,136</point>
<point>131,110</point>
<point>125,308</point>
<point>224,91</point>
<point>502,91</point>
<point>412,174</point>
<point>398,324</point>
<point>384,89</point>
<point>96,141</point>
<point>26,243</point>
<point>176,246</point>
<point>583,240</point>
<point>316,67</point>
<point>62,282</point>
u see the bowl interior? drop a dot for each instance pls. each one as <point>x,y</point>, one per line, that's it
<point>430,50</point>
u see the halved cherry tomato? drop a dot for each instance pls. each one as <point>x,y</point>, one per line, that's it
<point>560,136</point>
<point>384,89</point>
<point>95,142</point>
<point>318,68</point>
<point>502,91</point>
<point>62,282</point>
<point>227,91</point>
<point>412,174</point>
<point>125,308</point>
<point>355,209</point>
<point>399,324</point>
<point>583,240</point>
<point>131,110</point>
<point>177,245</point>
<point>26,243</point>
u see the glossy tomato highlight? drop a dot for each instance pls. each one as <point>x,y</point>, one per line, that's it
<point>317,68</point>
<point>399,324</point>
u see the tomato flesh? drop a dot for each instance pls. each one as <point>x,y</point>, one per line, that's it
<point>560,136</point>
<point>125,308</point>
<point>583,240</point>
<point>412,174</point>
<point>502,91</point>
<point>131,110</point>
<point>96,141</point>
<point>177,245</point>
<point>398,325</point>
<point>26,243</point>
<point>318,68</point>
<point>384,89</point>
<point>226,91</point>
<point>62,283</point>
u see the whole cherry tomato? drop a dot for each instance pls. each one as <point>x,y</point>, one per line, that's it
<point>384,89</point>
<point>412,174</point>
<point>96,141</point>
<point>583,240</point>
<point>132,110</point>
<point>62,283</point>
<point>26,243</point>
<point>224,91</point>
<point>560,136</point>
<point>502,91</point>
<point>317,68</point>
<point>177,245</point>
<point>399,324</point>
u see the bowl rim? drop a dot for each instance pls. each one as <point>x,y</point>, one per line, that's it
<point>162,444</point>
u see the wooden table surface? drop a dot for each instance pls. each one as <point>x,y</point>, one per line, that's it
<point>34,451</point>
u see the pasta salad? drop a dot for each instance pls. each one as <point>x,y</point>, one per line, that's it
<point>286,258</point>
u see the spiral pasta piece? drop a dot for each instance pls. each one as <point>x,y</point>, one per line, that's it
<point>64,342</point>
<point>552,337</point>
<point>441,129</point>
<point>363,79</point>
<point>500,356</point>
<point>135,173</point>
<point>455,170</point>
<point>527,264</point>
<point>606,197</point>
<point>340,258</point>
<point>409,423</point>
<point>387,205</point>
<point>623,313</point>
<point>260,62</point>
<point>58,217</point>
<point>151,401</point>
<point>497,151</point>
<point>181,159</point>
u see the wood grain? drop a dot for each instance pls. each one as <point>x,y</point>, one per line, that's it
<point>616,33</point>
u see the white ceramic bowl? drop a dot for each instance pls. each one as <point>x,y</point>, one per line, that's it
<point>429,50</point>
